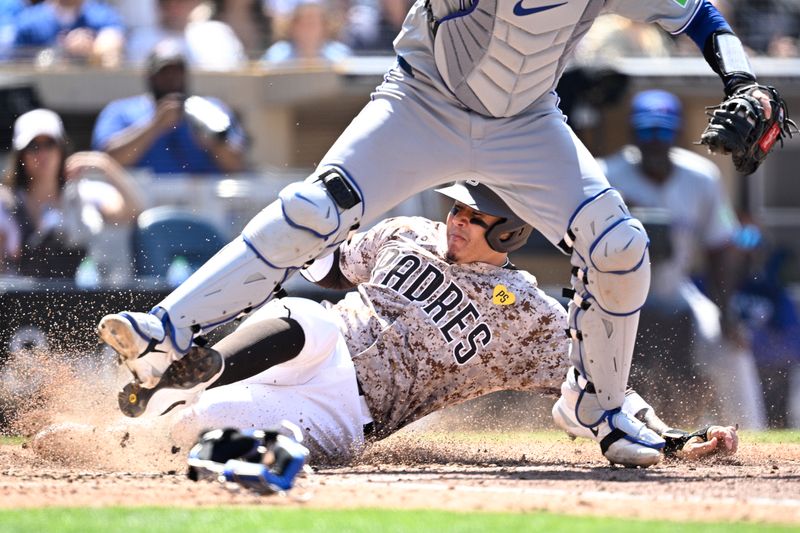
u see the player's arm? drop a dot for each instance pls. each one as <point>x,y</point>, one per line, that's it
<point>327,273</point>
<point>752,117</point>
<point>721,48</point>
<point>680,444</point>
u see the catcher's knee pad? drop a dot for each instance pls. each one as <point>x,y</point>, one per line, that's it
<point>611,278</point>
<point>307,219</point>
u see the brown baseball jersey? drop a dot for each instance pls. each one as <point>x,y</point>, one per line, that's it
<point>425,333</point>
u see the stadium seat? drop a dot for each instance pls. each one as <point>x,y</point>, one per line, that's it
<point>165,233</point>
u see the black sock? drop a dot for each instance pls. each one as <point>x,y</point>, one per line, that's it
<point>252,349</point>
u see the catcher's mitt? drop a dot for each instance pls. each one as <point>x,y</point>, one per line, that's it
<point>738,126</point>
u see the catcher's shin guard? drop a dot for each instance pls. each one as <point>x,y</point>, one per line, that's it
<point>309,219</point>
<point>610,280</point>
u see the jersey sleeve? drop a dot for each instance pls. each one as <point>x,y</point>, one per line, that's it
<point>110,122</point>
<point>672,15</point>
<point>357,254</point>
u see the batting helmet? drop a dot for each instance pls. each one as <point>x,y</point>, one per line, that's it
<point>507,234</point>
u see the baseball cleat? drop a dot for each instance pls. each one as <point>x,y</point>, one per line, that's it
<point>623,439</point>
<point>182,381</point>
<point>142,344</point>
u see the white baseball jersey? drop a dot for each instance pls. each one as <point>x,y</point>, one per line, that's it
<point>425,333</point>
<point>700,215</point>
<point>499,56</point>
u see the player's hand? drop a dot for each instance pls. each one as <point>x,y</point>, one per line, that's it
<point>722,440</point>
<point>79,163</point>
<point>763,99</point>
<point>169,111</point>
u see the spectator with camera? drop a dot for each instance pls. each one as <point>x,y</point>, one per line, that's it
<point>167,130</point>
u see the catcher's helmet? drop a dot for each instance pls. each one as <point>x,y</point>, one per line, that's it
<point>507,234</point>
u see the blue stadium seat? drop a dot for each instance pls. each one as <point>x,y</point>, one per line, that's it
<point>166,232</point>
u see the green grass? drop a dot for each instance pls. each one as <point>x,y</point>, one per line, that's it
<point>773,436</point>
<point>221,520</point>
<point>11,440</point>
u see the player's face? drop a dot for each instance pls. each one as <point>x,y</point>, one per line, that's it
<point>466,236</point>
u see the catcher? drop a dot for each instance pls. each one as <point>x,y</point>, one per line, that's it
<point>440,316</point>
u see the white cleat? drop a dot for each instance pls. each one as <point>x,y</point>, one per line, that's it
<point>142,344</point>
<point>623,439</point>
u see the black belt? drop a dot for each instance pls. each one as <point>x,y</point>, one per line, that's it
<point>369,427</point>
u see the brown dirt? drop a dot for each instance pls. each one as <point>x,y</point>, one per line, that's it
<point>101,463</point>
<point>416,469</point>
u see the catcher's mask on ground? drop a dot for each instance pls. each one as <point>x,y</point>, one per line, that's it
<point>507,234</point>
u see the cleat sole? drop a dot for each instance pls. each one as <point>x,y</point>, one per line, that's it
<point>117,332</point>
<point>192,371</point>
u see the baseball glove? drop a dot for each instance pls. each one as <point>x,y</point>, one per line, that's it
<point>738,126</point>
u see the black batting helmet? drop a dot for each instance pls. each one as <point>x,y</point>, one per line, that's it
<point>507,234</point>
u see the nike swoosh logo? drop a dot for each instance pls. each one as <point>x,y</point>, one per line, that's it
<point>522,11</point>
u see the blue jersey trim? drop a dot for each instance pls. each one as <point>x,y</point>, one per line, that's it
<point>458,14</point>
<point>706,21</point>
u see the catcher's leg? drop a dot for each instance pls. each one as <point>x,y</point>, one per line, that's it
<point>307,220</point>
<point>611,277</point>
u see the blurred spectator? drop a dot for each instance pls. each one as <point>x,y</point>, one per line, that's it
<point>612,36</point>
<point>168,131</point>
<point>654,173</point>
<point>207,44</point>
<point>308,37</point>
<point>80,30</point>
<point>372,25</point>
<point>53,207</point>
<point>767,308</point>
<point>248,22</point>
<point>136,13</point>
<point>9,9</point>
<point>768,27</point>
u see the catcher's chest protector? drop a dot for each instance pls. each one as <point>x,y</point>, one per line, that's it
<point>499,56</point>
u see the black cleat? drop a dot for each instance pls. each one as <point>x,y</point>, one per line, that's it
<point>180,383</point>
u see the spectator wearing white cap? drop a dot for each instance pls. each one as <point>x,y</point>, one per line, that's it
<point>653,173</point>
<point>53,204</point>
